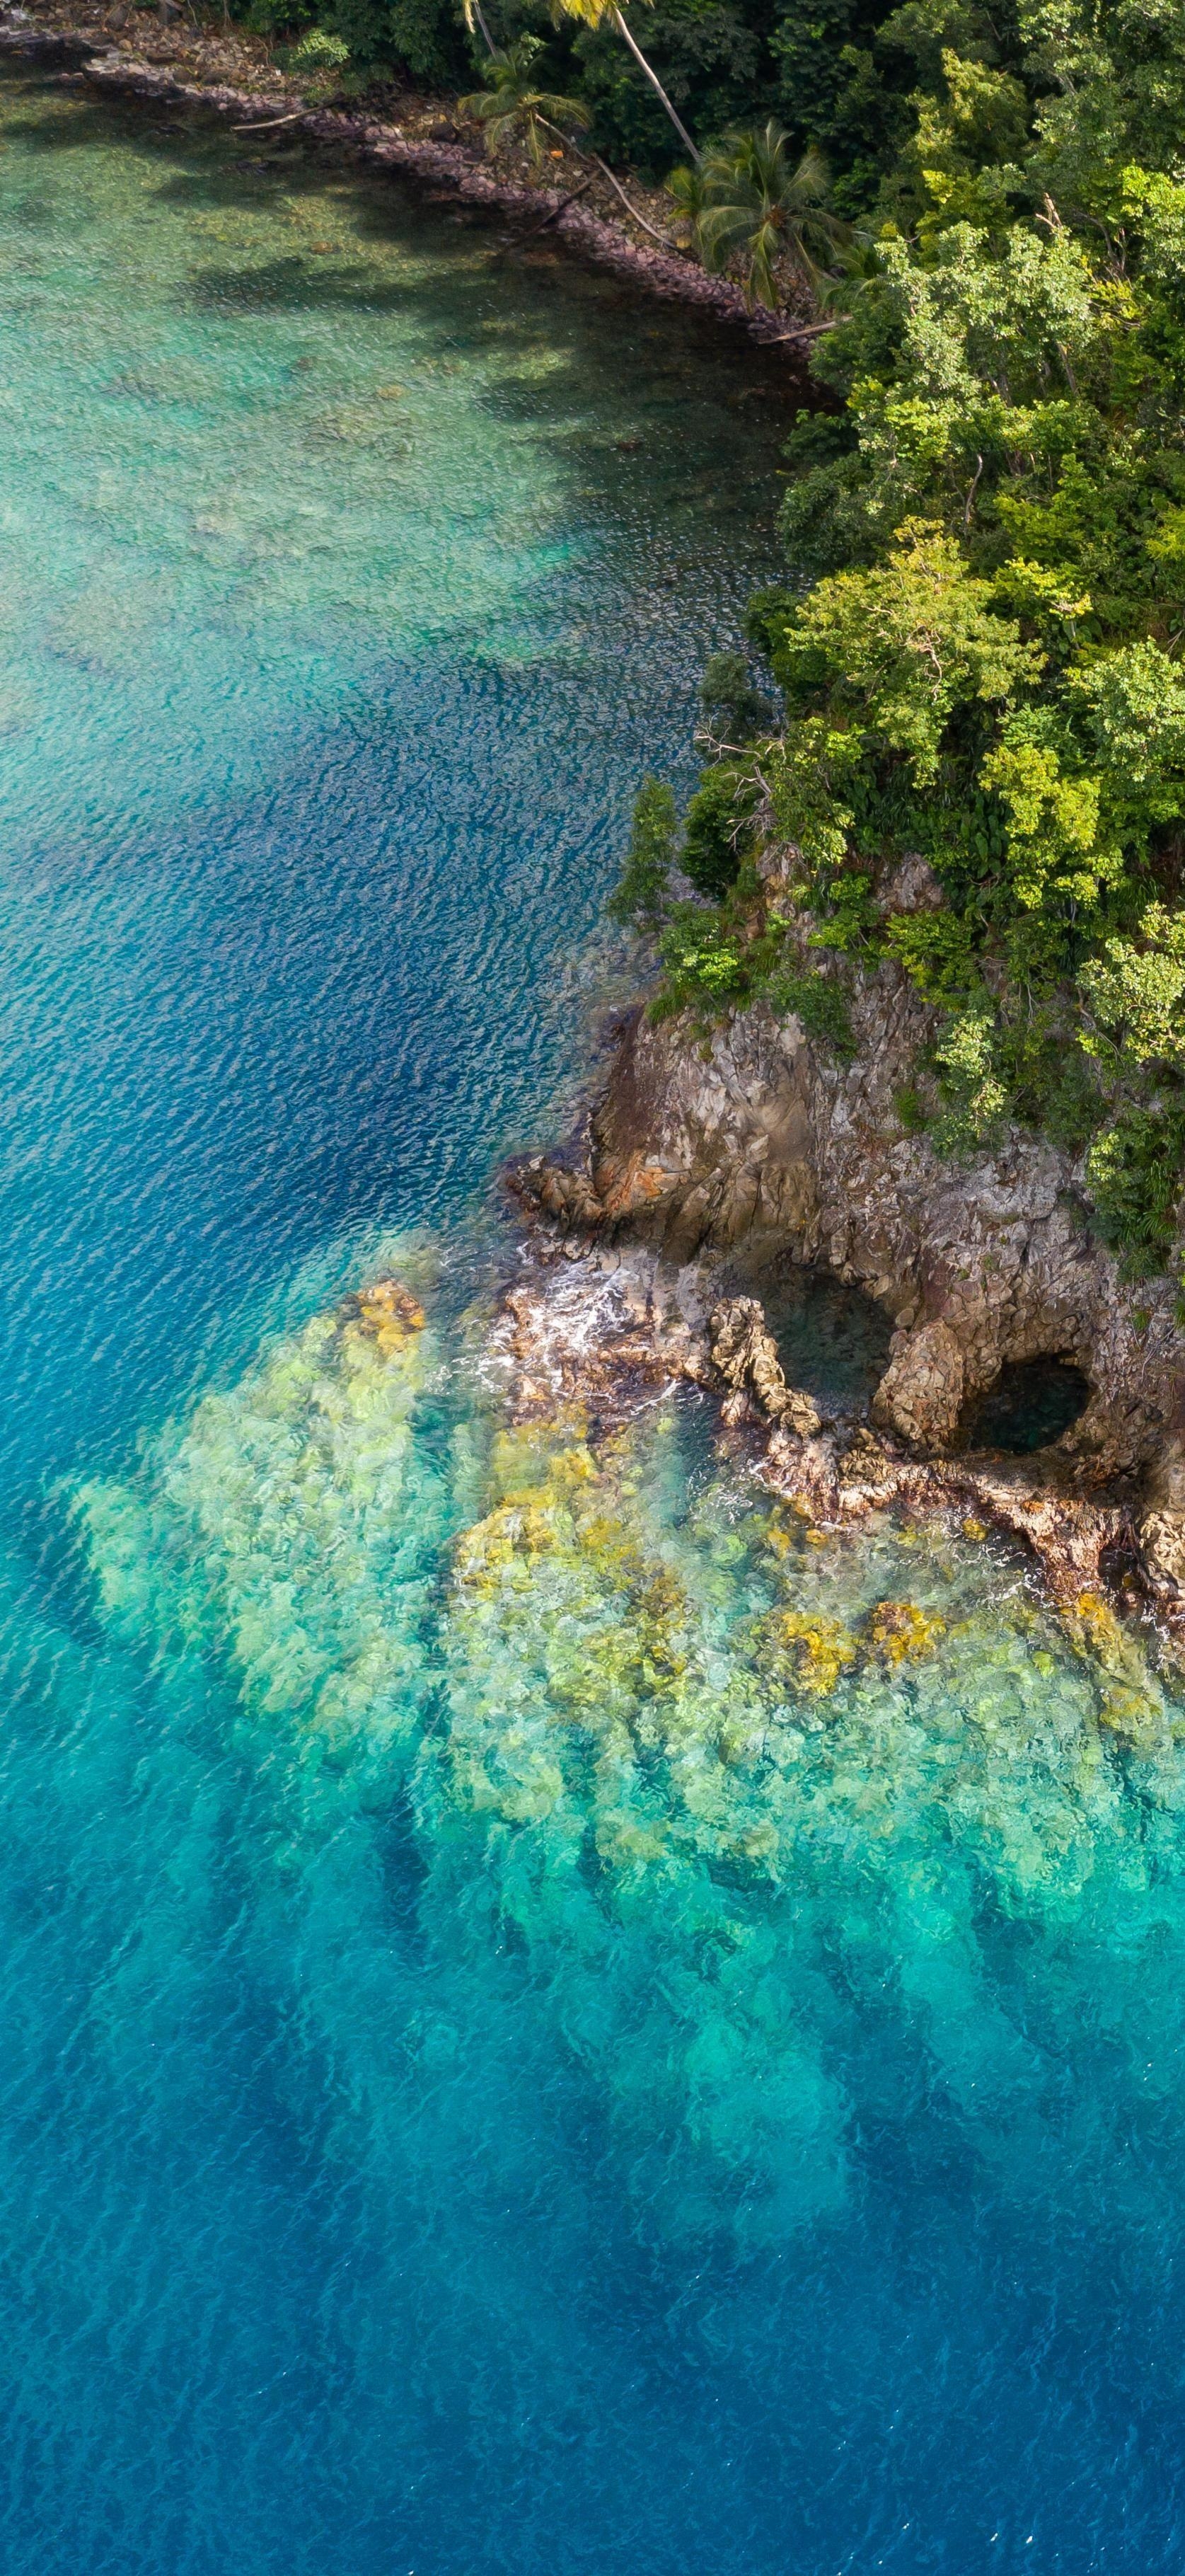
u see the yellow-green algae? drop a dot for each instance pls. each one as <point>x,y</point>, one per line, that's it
<point>292,1527</point>
<point>721,1787</point>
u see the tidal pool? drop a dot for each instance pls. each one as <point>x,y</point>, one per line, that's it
<point>551,2019</point>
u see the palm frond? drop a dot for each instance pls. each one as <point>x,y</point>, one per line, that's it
<point>587,13</point>
<point>760,206</point>
<point>511,104</point>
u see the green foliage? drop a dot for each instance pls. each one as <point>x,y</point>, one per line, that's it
<point>809,777</point>
<point>686,189</point>
<point>718,832</point>
<point>817,1002</point>
<point>838,88</point>
<point>894,652</point>
<point>714,962</point>
<point>319,53</point>
<point>734,710</point>
<point>640,898</point>
<point>594,17</point>
<point>937,952</point>
<point>848,914</point>
<point>912,1114</point>
<point>979,636</point>
<point>766,618</point>
<point>1137,995</point>
<point>275,17</point>
<point>827,79</point>
<point>760,207</point>
<point>710,55</point>
<point>975,1096</point>
<point>513,107</point>
<point>705,965</point>
<point>1069,1103</point>
<point>419,37</point>
<point>980,645</point>
<point>1133,1173</point>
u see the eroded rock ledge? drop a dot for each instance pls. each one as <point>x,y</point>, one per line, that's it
<point>702,1163</point>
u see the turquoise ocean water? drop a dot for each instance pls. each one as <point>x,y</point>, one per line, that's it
<point>549,2022</point>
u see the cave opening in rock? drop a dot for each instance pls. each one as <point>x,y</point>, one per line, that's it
<point>1030,1405</point>
<point>833,1341</point>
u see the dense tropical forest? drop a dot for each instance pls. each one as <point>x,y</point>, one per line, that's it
<point>979,646</point>
<point>839,74</point>
<point>975,661</point>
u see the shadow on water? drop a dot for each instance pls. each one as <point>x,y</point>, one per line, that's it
<point>543,324</point>
<point>376,571</point>
<point>833,1340</point>
<point>287,286</point>
<point>1031,1404</point>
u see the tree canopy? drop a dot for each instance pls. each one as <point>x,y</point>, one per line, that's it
<point>979,640</point>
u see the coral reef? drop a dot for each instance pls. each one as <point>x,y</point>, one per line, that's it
<point>692,1755</point>
<point>297,1520</point>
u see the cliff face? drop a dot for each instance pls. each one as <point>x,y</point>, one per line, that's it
<point>762,1143</point>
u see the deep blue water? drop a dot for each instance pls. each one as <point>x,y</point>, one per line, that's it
<point>382,2189</point>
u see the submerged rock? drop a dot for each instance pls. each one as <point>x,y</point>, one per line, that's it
<point>714,1773</point>
<point>606,1338</point>
<point>386,1313</point>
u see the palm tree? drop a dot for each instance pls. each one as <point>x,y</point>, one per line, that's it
<point>598,13</point>
<point>688,190</point>
<point>514,104</point>
<point>757,203</point>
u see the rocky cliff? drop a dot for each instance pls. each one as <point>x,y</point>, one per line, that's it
<point>727,1156</point>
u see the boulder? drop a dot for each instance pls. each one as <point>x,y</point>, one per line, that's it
<point>921,1393</point>
<point>746,1355</point>
<point>1162,1545</point>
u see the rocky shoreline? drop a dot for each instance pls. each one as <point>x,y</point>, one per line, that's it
<point>96,50</point>
<point>702,1166</point>
<point>700,1163</point>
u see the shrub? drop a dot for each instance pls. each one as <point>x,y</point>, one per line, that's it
<point>1133,1173</point>
<point>976,1098</point>
<point>638,901</point>
<point>717,833</point>
<point>735,710</point>
<point>819,1004</point>
<point>704,963</point>
<point>912,1114</point>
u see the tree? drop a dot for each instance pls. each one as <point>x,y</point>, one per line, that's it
<point>760,205</point>
<point>1137,995</point>
<point>600,13</point>
<point>513,103</point>
<point>688,191</point>
<point>639,900</point>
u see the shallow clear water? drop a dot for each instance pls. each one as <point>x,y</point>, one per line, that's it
<point>832,1340</point>
<point>550,2019</point>
<point>1032,1403</point>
